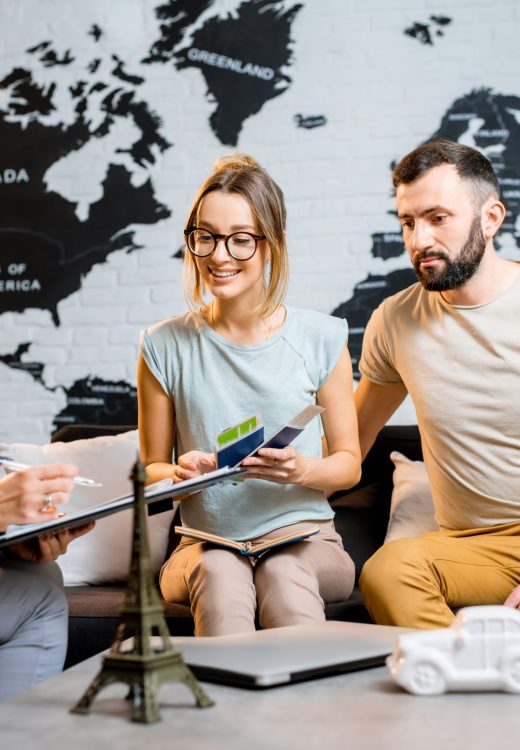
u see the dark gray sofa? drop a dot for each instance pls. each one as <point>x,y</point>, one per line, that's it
<point>361,520</point>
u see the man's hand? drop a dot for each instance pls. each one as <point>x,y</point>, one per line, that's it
<point>49,547</point>
<point>513,600</point>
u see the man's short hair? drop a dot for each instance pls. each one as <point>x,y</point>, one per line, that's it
<point>469,163</point>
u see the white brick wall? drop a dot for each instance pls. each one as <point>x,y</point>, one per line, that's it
<point>381,92</point>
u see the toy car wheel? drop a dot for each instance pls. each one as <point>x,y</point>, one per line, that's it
<point>426,678</point>
<point>512,674</point>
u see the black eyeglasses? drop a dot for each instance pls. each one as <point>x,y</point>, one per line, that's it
<point>240,245</point>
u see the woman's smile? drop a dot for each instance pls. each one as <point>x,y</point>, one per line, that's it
<point>222,274</point>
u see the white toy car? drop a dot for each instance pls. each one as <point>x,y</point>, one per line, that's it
<point>480,651</point>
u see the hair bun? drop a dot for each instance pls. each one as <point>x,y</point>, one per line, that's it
<point>235,162</point>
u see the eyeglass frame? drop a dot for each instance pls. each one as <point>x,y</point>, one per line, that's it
<point>225,237</point>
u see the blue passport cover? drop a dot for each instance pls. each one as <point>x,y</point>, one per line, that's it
<point>283,437</point>
<point>233,454</point>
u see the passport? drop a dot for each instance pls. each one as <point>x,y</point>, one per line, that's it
<point>247,437</point>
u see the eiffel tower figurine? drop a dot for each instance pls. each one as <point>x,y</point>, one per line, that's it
<point>142,667</point>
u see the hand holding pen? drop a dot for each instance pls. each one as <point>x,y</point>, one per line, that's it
<point>32,490</point>
<point>11,465</point>
<point>28,493</point>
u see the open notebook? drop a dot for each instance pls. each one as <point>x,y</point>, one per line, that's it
<point>248,548</point>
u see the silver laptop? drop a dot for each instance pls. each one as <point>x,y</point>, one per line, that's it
<point>280,656</point>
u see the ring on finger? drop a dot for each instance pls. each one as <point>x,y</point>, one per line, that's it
<point>47,506</point>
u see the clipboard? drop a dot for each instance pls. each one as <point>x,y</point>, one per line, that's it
<point>163,490</point>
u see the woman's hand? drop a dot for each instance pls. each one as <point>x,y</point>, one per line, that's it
<point>193,464</point>
<point>50,546</point>
<point>31,495</point>
<point>280,465</point>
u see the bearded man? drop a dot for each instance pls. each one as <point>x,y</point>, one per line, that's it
<point>452,342</point>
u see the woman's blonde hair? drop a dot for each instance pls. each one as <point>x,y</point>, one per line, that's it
<point>242,175</point>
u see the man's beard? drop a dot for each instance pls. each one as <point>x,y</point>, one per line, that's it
<point>457,271</point>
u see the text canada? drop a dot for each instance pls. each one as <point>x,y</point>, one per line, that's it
<point>12,176</point>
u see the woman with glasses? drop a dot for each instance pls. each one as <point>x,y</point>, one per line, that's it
<point>241,351</point>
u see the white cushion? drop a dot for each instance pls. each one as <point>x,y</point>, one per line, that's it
<point>411,509</point>
<point>102,555</point>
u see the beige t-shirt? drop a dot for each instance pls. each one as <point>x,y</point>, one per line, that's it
<point>461,366</point>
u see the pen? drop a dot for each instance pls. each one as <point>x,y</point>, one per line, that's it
<point>16,466</point>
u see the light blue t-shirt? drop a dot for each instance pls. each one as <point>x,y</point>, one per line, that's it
<point>215,383</point>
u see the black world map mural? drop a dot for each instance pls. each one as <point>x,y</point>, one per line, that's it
<point>241,57</point>
<point>46,248</point>
<point>245,59</point>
